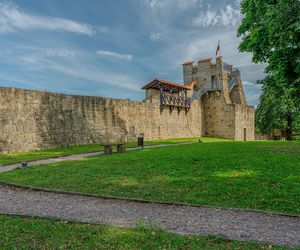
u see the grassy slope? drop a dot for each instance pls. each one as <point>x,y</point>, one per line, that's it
<point>257,175</point>
<point>56,152</point>
<point>27,233</point>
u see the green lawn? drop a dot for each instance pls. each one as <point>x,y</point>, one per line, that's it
<point>256,175</point>
<point>48,153</point>
<point>27,233</point>
<point>56,152</point>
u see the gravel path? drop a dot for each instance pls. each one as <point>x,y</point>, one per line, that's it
<point>229,223</point>
<point>9,167</point>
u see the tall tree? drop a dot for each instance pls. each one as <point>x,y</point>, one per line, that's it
<point>270,30</point>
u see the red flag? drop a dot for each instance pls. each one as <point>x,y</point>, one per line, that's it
<point>218,48</point>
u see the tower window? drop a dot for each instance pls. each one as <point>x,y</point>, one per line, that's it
<point>213,82</point>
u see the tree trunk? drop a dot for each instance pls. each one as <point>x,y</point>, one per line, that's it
<point>289,129</point>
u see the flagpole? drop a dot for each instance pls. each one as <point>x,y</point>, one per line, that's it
<point>218,49</point>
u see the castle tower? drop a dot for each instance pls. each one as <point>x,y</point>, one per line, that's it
<point>205,71</point>
<point>220,89</point>
<point>208,76</point>
<point>223,77</point>
<point>188,72</point>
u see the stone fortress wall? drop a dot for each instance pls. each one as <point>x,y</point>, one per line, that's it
<point>31,120</point>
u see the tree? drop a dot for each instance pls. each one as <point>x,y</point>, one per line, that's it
<point>277,109</point>
<point>270,30</point>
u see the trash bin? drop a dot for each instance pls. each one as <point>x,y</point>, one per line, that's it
<point>141,140</point>
<point>24,165</point>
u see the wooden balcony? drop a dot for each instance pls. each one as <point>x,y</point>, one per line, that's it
<point>172,94</point>
<point>175,100</point>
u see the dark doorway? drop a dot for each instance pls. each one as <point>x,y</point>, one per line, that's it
<point>245,134</point>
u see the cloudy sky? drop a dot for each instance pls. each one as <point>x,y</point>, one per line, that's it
<point>112,48</point>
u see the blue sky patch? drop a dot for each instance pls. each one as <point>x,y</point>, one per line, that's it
<point>113,48</point>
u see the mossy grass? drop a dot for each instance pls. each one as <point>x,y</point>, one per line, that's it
<point>33,233</point>
<point>253,175</point>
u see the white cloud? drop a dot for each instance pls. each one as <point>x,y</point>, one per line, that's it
<point>253,99</point>
<point>247,83</point>
<point>155,36</point>
<point>153,3</point>
<point>114,55</point>
<point>43,54</point>
<point>205,19</point>
<point>94,75</point>
<point>251,84</point>
<point>12,18</point>
<point>59,53</point>
<point>39,63</point>
<point>180,4</point>
<point>187,4</point>
<point>228,16</point>
<point>254,88</point>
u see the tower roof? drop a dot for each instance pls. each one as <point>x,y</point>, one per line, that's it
<point>188,63</point>
<point>168,86</point>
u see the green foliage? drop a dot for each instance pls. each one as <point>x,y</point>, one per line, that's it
<point>296,133</point>
<point>29,233</point>
<point>277,111</point>
<point>257,175</point>
<point>271,31</point>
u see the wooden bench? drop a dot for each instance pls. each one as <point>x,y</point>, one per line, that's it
<point>108,148</point>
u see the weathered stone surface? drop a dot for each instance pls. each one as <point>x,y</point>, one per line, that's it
<point>36,120</point>
<point>225,110</point>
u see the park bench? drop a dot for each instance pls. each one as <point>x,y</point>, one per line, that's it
<point>108,147</point>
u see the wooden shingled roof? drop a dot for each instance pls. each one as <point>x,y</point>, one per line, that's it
<point>168,86</point>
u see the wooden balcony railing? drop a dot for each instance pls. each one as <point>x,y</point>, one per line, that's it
<point>175,100</point>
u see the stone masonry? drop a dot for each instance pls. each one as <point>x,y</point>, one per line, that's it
<point>35,120</point>
<point>225,110</point>
<point>31,120</point>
